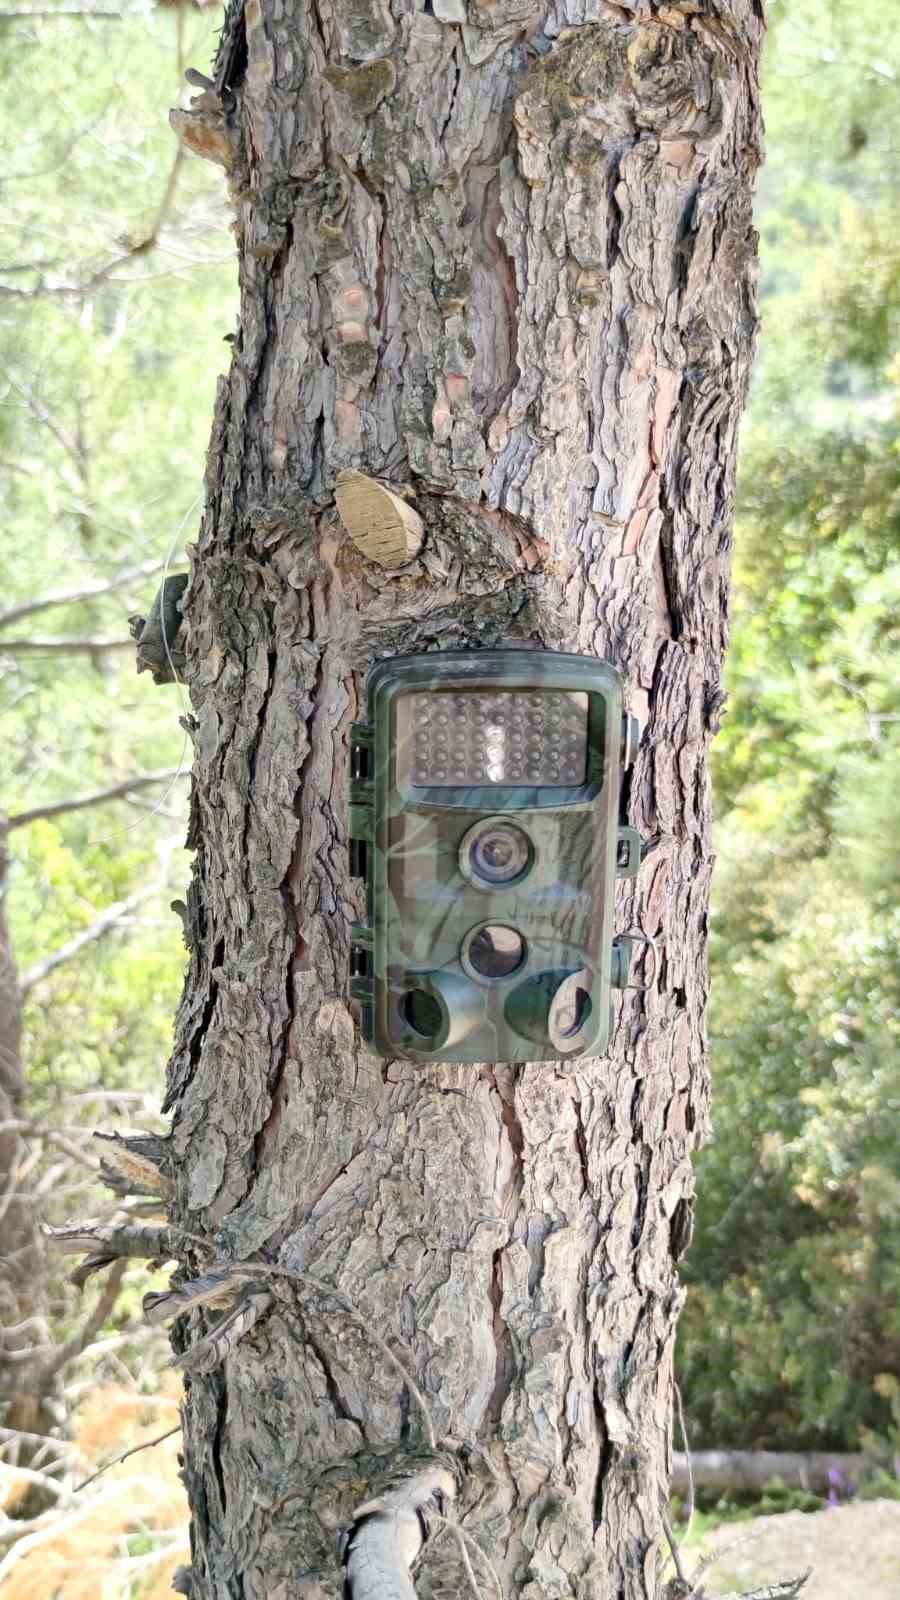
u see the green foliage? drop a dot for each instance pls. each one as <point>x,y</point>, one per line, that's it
<point>109,353</point>
<point>712,1510</point>
<point>117,285</point>
<point>791,1335</point>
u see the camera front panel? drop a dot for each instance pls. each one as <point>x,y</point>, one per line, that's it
<point>493,780</point>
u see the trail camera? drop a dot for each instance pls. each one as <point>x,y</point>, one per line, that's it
<point>484,817</point>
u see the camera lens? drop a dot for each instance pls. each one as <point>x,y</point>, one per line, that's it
<point>572,1012</point>
<point>495,853</point>
<point>422,1013</point>
<point>494,951</point>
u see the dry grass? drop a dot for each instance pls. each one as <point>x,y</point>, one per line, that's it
<point>123,1537</point>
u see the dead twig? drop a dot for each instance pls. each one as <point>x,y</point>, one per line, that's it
<point>148,1444</point>
<point>93,589</point>
<point>109,919</point>
<point>64,647</point>
<point>104,1308</point>
<point>141,780</point>
<point>775,1591</point>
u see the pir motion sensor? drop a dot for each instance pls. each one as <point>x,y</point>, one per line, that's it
<point>485,820</point>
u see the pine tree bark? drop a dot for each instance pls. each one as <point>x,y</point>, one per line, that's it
<point>501,258</point>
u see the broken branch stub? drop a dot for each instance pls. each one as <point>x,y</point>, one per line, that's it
<point>381,524</point>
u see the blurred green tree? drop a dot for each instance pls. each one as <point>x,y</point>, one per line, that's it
<point>791,1334</point>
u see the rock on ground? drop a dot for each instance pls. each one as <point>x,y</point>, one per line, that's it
<point>854,1552</point>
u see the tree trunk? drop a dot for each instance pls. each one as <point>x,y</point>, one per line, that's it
<point>501,259</point>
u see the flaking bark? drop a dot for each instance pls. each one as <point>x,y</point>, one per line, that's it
<point>503,256</point>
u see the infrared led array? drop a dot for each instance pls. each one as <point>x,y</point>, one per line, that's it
<point>499,736</point>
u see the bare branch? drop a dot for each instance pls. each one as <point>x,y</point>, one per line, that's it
<point>140,781</point>
<point>109,919</point>
<point>209,1352</point>
<point>56,1136</point>
<point>93,589</point>
<point>135,1448</point>
<point>104,1308</point>
<point>32,13</point>
<point>775,1591</point>
<point>216,1290</point>
<point>41,412</point>
<point>465,1542</point>
<point>714,1557</point>
<point>114,1239</point>
<point>105,273</point>
<point>44,1528</point>
<point>691,1492</point>
<point>38,1480</point>
<point>63,647</point>
<point>675,1553</point>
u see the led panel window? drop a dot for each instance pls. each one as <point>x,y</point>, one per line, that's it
<point>491,736</point>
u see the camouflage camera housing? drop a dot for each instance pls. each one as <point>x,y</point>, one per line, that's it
<point>484,817</point>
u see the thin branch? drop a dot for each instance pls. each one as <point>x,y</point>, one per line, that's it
<point>109,919</point>
<point>141,781</point>
<point>105,273</point>
<point>464,1539</point>
<point>691,1499</point>
<point>44,415</point>
<point>63,1142</point>
<point>30,13</point>
<point>453,1528</point>
<point>93,589</point>
<point>63,647</point>
<point>788,1590</point>
<point>135,1448</point>
<point>147,1241</point>
<point>13,1435</point>
<point>710,1560</point>
<point>104,1308</point>
<point>675,1553</point>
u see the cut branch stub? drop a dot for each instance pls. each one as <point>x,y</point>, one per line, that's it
<point>204,128</point>
<point>381,524</point>
<point>155,1242</point>
<point>137,1164</point>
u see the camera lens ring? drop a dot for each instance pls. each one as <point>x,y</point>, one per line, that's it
<point>422,1013</point>
<point>492,953</point>
<point>495,854</point>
